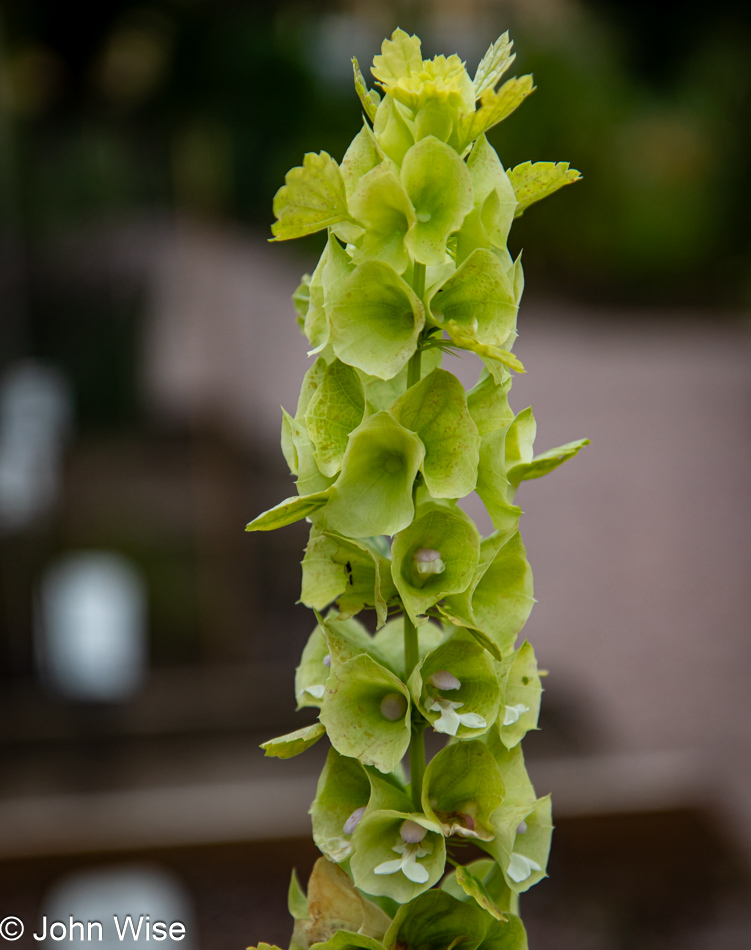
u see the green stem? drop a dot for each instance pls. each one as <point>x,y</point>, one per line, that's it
<point>417,763</point>
<point>416,745</point>
<point>414,370</point>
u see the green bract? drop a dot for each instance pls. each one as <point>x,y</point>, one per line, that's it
<point>382,446</point>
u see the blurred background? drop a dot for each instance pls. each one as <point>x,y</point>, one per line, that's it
<point>147,339</point>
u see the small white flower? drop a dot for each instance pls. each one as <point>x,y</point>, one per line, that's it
<point>512,713</point>
<point>354,820</point>
<point>450,720</point>
<point>520,867</point>
<point>407,864</point>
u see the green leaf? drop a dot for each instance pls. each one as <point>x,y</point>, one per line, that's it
<point>447,533</point>
<point>375,861</point>
<point>494,108</point>
<point>297,902</point>
<point>381,205</point>
<point>364,716</point>
<point>312,198</point>
<point>436,410</point>
<point>545,462</point>
<point>462,788</point>
<point>533,182</point>
<point>289,511</point>
<point>478,694</point>
<point>369,99</point>
<point>477,303</point>
<point>440,189</point>
<point>476,889</point>
<point>437,921</point>
<point>336,408</point>
<point>343,789</point>
<point>376,320</point>
<point>286,747</point>
<point>373,494</point>
<point>500,598</point>
<point>493,65</point>
<point>523,691</point>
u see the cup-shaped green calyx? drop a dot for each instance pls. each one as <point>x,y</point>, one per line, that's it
<point>381,205</point>
<point>373,494</point>
<point>436,410</point>
<point>462,788</point>
<point>435,556</point>
<point>456,687</point>
<point>440,189</point>
<point>436,921</point>
<point>354,573</point>
<point>366,711</point>
<point>499,599</point>
<point>315,664</point>
<point>397,854</point>
<point>479,300</point>
<point>335,409</point>
<point>490,220</point>
<point>341,798</point>
<point>522,696</point>
<point>376,319</point>
<point>522,825</point>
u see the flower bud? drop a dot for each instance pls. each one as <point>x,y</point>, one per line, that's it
<point>428,561</point>
<point>327,660</point>
<point>393,706</point>
<point>354,820</point>
<point>443,679</point>
<point>522,829</point>
<point>411,832</point>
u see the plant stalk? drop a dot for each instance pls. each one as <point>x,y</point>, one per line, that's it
<point>413,367</point>
<point>416,744</point>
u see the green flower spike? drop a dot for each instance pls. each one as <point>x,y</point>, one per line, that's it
<point>499,600</point>
<point>436,410</point>
<point>472,705</point>
<point>366,712</point>
<point>437,921</point>
<point>397,854</point>
<point>335,409</point>
<point>521,707</point>
<point>341,798</point>
<point>373,494</point>
<point>435,556</point>
<point>376,320</point>
<point>462,787</point>
<point>354,573</point>
<point>440,189</point>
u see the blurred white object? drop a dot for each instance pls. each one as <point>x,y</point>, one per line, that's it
<point>35,415</point>
<point>103,894</point>
<point>91,627</point>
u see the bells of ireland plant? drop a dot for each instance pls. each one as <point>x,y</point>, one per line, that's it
<point>416,616</point>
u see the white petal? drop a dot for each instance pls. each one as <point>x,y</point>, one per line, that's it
<point>449,722</point>
<point>471,720</point>
<point>520,867</point>
<point>414,872</point>
<point>389,867</point>
<point>315,691</point>
<point>512,713</point>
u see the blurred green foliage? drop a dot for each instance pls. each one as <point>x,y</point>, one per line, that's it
<point>204,105</point>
